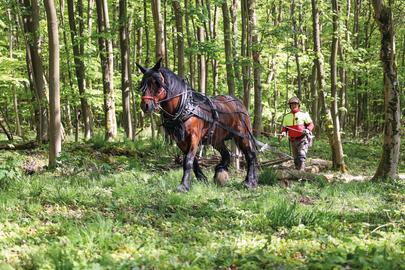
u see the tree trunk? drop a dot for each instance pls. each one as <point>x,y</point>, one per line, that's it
<point>228,50</point>
<point>31,29</point>
<point>202,68</point>
<point>356,120</point>
<point>388,166</point>
<point>257,121</point>
<point>146,27</point>
<point>338,161</point>
<point>78,52</point>
<point>246,43</point>
<point>178,13</point>
<point>18,129</point>
<point>318,61</point>
<point>126,81</point>
<point>158,23</point>
<point>106,58</point>
<point>235,47</point>
<point>55,130</point>
<point>4,127</point>
<point>297,59</point>
<point>189,42</point>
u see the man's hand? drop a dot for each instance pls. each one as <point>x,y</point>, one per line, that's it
<point>306,132</point>
<point>283,134</point>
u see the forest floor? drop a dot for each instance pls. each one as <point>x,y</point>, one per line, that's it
<point>114,206</point>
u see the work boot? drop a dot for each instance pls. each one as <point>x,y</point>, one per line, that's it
<point>301,166</point>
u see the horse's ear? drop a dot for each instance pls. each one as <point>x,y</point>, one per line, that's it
<point>157,65</point>
<point>142,69</point>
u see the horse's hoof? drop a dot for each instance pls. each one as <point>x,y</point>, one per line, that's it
<point>221,177</point>
<point>202,178</point>
<point>250,185</point>
<point>182,188</point>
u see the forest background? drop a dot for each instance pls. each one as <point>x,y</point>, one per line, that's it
<point>69,98</point>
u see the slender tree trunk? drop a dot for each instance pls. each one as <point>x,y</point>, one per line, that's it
<point>4,127</point>
<point>106,58</point>
<point>78,52</point>
<point>126,81</point>
<point>297,59</point>
<point>314,94</point>
<point>235,47</point>
<point>179,34</point>
<point>55,127</point>
<point>189,42</point>
<point>18,129</point>
<point>31,29</point>
<point>202,68</point>
<point>246,43</point>
<point>388,166</point>
<point>257,121</point>
<point>338,161</point>
<point>158,23</point>
<point>356,122</point>
<point>146,27</point>
<point>228,50</point>
<point>325,111</point>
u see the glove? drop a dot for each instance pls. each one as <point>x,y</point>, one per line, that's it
<point>306,132</point>
<point>280,136</point>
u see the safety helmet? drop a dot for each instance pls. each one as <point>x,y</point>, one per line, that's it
<point>294,100</point>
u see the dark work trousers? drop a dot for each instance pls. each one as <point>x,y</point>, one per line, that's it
<point>299,150</point>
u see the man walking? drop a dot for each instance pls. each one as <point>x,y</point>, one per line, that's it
<point>298,125</point>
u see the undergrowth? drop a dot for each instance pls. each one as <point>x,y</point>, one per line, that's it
<point>114,206</point>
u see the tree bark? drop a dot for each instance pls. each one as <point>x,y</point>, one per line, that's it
<point>235,47</point>
<point>388,166</point>
<point>338,161</point>
<point>228,50</point>
<point>78,52</point>
<point>318,61</point>
<point>189,42</point>
<point>55,127</point>
<point>178,13</point>
<point>257,121</point>
<point>158,23</point>
<point>296,49</point>
<point>126,80</point>
<point>202,68</point>
<point>106,58</point>
<point>31,29</point>
<point>246,43</point>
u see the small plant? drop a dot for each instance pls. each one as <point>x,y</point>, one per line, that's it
<point>268,176</point>
<point>286,214</point>
<point>8,173</point>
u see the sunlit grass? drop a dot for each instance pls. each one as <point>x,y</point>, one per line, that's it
<point>99,210</point>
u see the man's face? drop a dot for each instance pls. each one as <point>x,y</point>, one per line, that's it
<point>293,106</point>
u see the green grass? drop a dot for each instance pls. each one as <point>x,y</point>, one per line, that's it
<point>102,210</point>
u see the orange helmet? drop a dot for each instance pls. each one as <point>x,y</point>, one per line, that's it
<point>294,100</point>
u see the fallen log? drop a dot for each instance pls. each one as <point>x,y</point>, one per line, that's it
<point>23,146</point>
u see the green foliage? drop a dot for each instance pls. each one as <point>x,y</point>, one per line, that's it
<point>129,216</point>
<point>9,171</point>
<point>268,176</point>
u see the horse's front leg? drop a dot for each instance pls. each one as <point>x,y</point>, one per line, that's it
<point>188,162</point>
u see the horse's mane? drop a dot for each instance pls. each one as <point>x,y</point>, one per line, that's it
<point>174,84</point>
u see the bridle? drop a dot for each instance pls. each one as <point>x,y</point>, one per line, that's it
<point>161,97</point>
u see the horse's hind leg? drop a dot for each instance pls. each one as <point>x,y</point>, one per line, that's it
<point>221,170</point>
<point>250,155</point>
<point>197,171</point>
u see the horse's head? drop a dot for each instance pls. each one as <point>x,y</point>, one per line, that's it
<point>153,87</point>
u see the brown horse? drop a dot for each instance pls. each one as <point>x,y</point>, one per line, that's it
<point>192,119</point>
